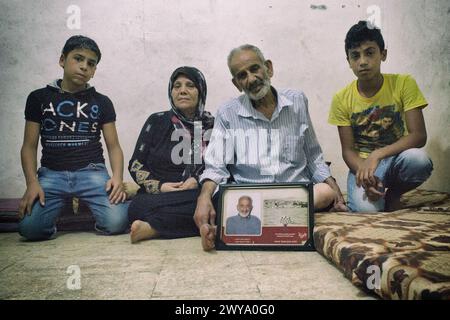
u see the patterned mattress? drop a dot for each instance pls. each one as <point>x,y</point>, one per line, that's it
<point>398,255</point>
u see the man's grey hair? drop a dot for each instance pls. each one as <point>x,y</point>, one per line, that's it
<point>244,47</point>
<point>245,197</point>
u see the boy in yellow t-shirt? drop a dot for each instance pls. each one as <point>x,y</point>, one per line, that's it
<point>381,126</point>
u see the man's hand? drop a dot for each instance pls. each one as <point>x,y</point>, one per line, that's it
<point>365,173</point>
<point>117,193</point>
<point>34,190</point>
<point>205,219</point>
<point>339,204</point>
<point>204,213</point>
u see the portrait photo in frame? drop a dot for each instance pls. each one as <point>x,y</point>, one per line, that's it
<point>265,217</point>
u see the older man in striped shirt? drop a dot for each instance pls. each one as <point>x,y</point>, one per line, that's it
<point>263,136</point>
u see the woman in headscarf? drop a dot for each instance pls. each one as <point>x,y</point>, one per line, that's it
<point>168,159</point>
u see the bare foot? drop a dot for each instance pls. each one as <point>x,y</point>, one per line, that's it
<point>208,234</point>
<point>141,230</point>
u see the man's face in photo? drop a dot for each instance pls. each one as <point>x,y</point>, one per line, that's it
<point>244,207</point>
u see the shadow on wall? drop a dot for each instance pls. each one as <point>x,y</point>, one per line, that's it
<point>440,177</point>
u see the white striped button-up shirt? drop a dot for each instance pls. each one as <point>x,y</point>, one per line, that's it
<point>254,149</point>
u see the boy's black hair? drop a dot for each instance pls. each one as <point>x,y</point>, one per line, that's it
<point>81,42</point>
<point>360,33</point>
<point>388,114</point>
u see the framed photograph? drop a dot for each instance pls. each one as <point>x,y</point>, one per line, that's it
<point>265,217</point>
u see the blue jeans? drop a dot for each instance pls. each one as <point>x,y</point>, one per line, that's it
<point>88,184</point>
<point>399,174</point>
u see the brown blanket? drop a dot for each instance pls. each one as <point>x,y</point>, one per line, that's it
<point>399,255</point>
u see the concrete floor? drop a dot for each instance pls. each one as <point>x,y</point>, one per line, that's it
<point>112,268</point>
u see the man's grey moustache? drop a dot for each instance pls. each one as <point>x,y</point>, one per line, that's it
<point>255,84</point>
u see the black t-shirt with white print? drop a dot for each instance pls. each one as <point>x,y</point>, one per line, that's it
<point>70,125</point>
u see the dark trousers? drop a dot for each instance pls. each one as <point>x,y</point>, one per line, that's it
<point>169,213</point>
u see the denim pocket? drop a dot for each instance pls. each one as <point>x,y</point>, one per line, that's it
<point>41,171</point>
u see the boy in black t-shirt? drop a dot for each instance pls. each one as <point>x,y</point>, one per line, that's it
<point>68,115</point>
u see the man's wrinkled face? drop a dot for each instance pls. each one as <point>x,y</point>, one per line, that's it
<point>250,74</point>
<point>244,207</point>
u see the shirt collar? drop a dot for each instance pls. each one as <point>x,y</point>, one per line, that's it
<point>246,109</point>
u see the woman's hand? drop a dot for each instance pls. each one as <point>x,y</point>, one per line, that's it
<point>171,186</point>
<point>190,183</point>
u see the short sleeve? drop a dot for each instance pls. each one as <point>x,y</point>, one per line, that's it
<point>411,95</point>
<point>338,116</point>
<point>108,114</point>
<point>33,108</point>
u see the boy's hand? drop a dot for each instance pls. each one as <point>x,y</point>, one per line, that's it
<point>34,190</point>
<point>376,191</point>
<point>365,174</point>
<point>117,193</point>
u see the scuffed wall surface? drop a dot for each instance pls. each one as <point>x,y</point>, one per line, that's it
<point>143,41</point>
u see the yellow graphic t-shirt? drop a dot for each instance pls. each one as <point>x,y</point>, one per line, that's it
<point>377,121</point>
